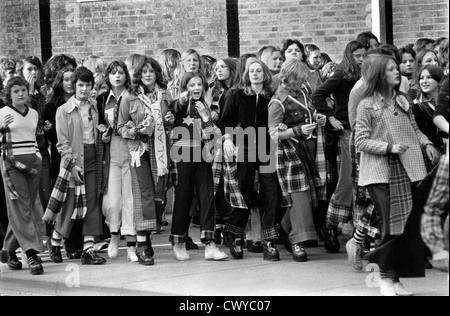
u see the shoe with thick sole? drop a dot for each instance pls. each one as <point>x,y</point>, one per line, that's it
<point>91,258</point>
<point>35,266</point>
<point>331,241</point>
<point>270,252</point>
<point>299,253</point>
<point>14,262</point>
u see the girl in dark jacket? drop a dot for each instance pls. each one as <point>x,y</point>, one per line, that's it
<point>340,85</point>
<point>247,112</point>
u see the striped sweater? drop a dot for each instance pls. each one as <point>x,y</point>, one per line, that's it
<point>23,130</point>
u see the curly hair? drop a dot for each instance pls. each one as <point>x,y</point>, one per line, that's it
<point>15,81</point>
<point>136,80</point>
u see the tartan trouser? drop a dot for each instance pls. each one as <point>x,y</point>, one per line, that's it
<point>340,208</point>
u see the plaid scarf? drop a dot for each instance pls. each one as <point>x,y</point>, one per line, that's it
<point>233,193</point>
<point>400,195</point>
<point>9,161</point>
<point>296,170</point>
<point>60,191</point>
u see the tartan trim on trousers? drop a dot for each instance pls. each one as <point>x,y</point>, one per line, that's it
<point>178,239</point>
<point>239,232</point>
<point>401,200</point>
<point>363,204</point>
<point>338,213</point>
<point>269,234</point>
<point>59,192</point>
<point>206,236</point>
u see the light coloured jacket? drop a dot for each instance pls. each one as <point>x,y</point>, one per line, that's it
<point>69,131</point>
<point>378,127</point>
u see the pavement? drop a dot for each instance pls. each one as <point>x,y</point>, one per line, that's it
<point>324,274</point>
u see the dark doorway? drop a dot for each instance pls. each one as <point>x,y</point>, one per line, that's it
<point>46,30</point>
<point>233,28</point>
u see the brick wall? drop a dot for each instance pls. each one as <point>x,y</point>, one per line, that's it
<point>19,28</point>
<point>115,29</point>
<point>332,24</point>
<point>413,19</point>
<point>328,24</point>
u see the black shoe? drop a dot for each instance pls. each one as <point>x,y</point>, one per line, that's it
<point>255,247</point>
<point>190,245</point>
<point>14,262</point>
<point>270,251</point>
<point>299,253</point>
<point>91,258</point>
<point>150,247</point>
<point>35,266</point>
<point>331,241</point>
<point>56,255</point>
<point>236,247</point>
<point>145,258</point>
<point>4,257</point>
<point>74,255</point>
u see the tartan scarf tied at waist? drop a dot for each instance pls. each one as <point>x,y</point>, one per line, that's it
<point>9,161</point>
<point>233,193</point>
<point>401,199</point>
<point>60,191</point>
<point>297,170</point>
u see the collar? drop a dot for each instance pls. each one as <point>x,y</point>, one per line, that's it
<point>111,95</point>
<point>283,93</point>
<point>398,99</point>
<point>75,103</point>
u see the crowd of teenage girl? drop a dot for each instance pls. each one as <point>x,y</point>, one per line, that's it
<point>276,147</point>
